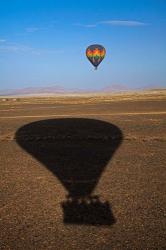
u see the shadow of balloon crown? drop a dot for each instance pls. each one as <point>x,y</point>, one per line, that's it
<point>25,137</point>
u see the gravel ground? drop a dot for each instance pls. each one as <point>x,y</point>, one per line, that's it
<point>37,175</point>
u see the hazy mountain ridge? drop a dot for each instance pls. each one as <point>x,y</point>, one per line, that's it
<point>57,89</point>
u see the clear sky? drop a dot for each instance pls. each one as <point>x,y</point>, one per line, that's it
<point>43,43</point>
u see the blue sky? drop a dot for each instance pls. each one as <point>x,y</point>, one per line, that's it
<point>43,43</point>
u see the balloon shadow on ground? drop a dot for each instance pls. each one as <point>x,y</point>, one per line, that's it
<point>76,151</point>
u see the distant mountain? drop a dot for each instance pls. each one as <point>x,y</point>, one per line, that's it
<point>152,87</point>
<point>115,87</point>
<point>56,89</point>
<point>34,90</point>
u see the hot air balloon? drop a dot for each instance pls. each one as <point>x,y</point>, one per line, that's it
<point>95,54</point>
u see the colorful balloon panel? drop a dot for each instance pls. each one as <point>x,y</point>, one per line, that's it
<point>95,54</point>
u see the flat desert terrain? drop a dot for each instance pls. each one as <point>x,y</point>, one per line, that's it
<point>83,172</point>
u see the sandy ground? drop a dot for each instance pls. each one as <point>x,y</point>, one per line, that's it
<point>131,181</point>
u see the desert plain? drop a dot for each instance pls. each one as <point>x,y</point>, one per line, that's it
<point>47,144</point>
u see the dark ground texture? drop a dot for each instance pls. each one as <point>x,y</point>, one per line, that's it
<point>132,182</point>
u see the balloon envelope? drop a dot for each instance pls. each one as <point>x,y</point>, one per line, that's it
<point>95,54</point>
